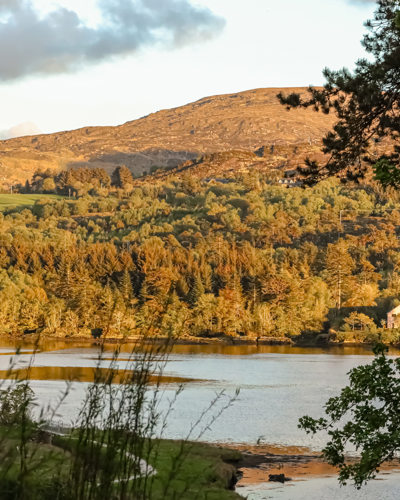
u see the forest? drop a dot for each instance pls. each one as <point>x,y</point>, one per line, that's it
<point>229,258</point>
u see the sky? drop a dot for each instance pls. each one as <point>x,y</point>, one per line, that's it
<point>66,64</point>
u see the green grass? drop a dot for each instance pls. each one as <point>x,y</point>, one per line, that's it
<point>204,472</point>
<point>46,470</point>
<point>10,201</point>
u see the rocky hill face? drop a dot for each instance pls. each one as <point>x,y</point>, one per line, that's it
<point>247,121</point>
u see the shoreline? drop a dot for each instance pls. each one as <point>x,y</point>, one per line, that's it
<point>298,464</point>
<point>190,341</point>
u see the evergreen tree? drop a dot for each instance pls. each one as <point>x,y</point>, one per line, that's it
<point>367,106</point>
<point>339,268</point>
<point>126,289</point>
<point>196,290</point>
<point>122,177</point>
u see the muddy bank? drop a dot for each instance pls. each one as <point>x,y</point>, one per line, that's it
<point>296,463</point>
<point>258,463</point>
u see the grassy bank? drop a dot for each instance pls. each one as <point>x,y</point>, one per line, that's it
<point>184,470</point>
<point>115,449</point>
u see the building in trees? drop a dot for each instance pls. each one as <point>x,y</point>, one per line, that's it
<point>393,318</point>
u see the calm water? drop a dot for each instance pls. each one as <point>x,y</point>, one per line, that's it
<point>277,386</point>
<point>387,487</point>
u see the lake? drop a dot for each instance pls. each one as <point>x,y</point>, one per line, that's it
<point>278,384</point>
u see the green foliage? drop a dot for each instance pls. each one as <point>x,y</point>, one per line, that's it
<point>387,173</point>
<point>215,260</point>
<point>79,180</point>
<point>366,103</point>
<point>115,449</point>
<point>370,409</point>
<point>15,404</point>
<point>122,178</point>
<point>358,321</point>
<point>13,201</point>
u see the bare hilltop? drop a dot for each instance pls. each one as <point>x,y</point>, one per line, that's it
<point>247,127</point>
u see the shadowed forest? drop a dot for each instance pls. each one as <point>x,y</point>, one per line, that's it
<point>239,257</point>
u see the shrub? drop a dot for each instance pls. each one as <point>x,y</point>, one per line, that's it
<point>15,405</point>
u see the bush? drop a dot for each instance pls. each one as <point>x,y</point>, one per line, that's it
<point>15,405</point>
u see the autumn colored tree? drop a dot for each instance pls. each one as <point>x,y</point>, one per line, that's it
<point>122,177</point>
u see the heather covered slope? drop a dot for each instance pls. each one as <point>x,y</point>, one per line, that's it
<point>244,121</point>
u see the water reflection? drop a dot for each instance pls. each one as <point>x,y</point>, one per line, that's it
<point>246,350</point>
<point>86,374</point>
<point>278,384</point>
<point>48,345</point>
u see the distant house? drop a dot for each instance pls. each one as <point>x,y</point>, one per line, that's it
<point>290,183</point>
<point>393,318</point>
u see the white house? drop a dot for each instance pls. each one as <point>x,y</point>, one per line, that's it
<point>393,318</point>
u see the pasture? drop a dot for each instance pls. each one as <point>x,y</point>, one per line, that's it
<point>10,201</point>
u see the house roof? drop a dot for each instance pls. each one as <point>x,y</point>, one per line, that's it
<point>396,310</point>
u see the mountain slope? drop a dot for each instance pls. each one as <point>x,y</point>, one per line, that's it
<point>244,121</point>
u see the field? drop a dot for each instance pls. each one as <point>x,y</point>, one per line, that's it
<point>8,201</point>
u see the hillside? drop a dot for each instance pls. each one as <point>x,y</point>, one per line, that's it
<point>245,121</point>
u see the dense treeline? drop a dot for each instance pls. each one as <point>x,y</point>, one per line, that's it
<point>79,181</point>
<point>243,257</point>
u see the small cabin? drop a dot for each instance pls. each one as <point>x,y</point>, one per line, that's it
<point>393,318</point>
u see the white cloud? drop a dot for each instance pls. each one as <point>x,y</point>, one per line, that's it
<point>26,128</point>
<point>59,41</point>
